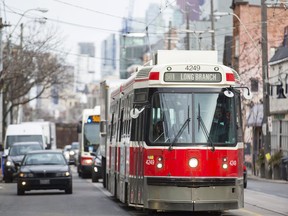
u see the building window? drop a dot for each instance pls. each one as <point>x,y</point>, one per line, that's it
<point>254,85</point>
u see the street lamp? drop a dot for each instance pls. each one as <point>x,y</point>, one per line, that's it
<point>42,10</point>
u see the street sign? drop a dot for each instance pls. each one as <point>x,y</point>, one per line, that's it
<point>264,129</point>
<point>269,121</point>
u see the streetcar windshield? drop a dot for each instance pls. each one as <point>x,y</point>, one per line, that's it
<point>192,118</point>
<point>91,137</point>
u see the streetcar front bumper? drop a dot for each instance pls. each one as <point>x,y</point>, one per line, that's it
<point>199,195</point>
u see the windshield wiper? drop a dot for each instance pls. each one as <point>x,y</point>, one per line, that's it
<point>180,131</point>
<point>202,125</point>
<point>162,134</point>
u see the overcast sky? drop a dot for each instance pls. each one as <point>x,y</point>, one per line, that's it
<point>76,20</point>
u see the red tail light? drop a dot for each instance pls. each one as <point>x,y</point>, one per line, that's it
<point>230,77</point>
<point>154,75</point>
<point>86,161</point>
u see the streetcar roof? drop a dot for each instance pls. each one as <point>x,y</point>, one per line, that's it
<point>185,56</point>
<point>180,68</point>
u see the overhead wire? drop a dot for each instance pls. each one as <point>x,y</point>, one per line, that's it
<point>118,31</point>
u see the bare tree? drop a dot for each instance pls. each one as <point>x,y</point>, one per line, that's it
<point>30,65</point>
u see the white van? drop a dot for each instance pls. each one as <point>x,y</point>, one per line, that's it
<point>49,130</point>
<point>24,133</point>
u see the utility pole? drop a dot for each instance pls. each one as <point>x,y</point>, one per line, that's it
<point>21,36</point>
<point>169,35</point>
<point>187,28</point>
<point>2,128</point>
<point>266,105</point>
<point>212,25</point>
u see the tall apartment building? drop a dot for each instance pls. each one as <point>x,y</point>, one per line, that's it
<point>86,66</point>
<point>109,57</point>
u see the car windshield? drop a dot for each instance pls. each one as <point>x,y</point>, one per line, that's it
<point>44,159</point>
<point>23,138</point>
<point>91,137</point>
<point>16,150</point>
<point>75,146</point>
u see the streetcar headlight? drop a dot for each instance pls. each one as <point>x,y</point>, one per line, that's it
<point>193,162</point>
<point>159,165</point>
<point>224,163</point>
<point>159,162</point>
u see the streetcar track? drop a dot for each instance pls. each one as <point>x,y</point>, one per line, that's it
<point>266,209</point>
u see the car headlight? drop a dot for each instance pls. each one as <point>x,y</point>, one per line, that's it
<point>26,175</point>
<point>9,163</point>
<point>63,174</point>
<point>71,152</point>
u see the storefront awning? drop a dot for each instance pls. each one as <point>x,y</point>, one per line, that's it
<point>255,117</point>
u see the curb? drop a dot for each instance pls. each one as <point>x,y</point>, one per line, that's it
<point>257,178</point>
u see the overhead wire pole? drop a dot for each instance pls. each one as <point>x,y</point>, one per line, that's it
<point>212,25</point>
<point>187,28</point>
<point>266,103</point>
<point>266,134</point>
<point>2,129</point>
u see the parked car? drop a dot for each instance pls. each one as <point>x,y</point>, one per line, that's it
<point>245,176</point>
<point>14,157</point>
<point>44,170</point>
<point>73,154</point>
<point>96,166</point>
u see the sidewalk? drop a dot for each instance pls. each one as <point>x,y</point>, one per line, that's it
<point>251,176</point>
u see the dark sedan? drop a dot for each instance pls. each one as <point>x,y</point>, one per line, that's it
<point>44,170</point>
<point>15,155</point>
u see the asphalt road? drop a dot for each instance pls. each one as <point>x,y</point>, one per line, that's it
<point>262,198</point>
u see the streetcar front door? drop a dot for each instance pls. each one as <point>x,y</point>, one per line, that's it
<point>136,186</point>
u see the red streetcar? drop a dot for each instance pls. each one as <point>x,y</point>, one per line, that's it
<point>174,137</point>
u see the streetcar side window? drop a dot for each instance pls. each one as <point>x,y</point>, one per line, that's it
<point>133,130</point>
<point>238,118</point>
<point>120,125</point>
<point>111,127</point>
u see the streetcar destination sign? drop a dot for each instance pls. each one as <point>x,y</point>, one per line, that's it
<point>192,77</point>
